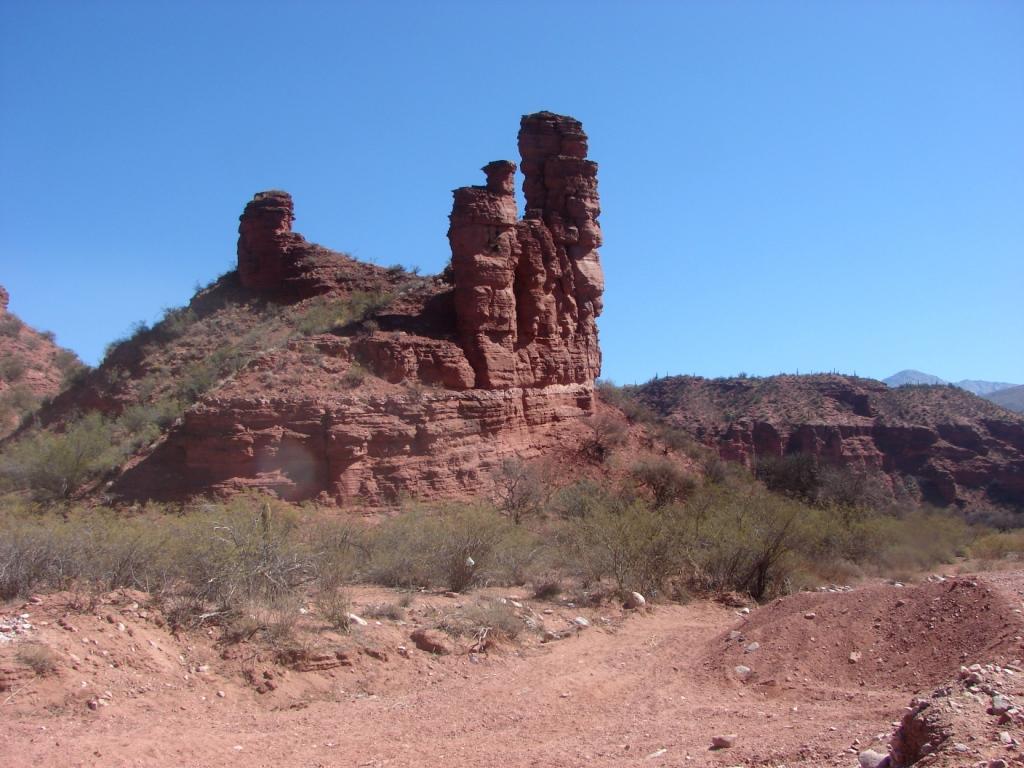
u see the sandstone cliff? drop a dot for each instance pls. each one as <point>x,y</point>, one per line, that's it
<point>947,446</point>
<point>313,375</point>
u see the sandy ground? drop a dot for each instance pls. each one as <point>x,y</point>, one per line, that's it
<point>645,687</point>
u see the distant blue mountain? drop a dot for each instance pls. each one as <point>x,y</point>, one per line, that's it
<point>1002,393</point>
<point>984,388</point>
<point>903,378</point>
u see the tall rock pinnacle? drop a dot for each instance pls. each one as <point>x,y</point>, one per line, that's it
<point>528,292</point>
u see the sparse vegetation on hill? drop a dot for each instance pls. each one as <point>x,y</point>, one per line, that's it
<point>33,369</point>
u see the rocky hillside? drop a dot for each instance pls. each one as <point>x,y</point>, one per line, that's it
<point>948,445</point>
<point>313,375</point>
<point>32,367</point>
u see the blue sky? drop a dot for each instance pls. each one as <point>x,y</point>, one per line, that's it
<point>786,186</point>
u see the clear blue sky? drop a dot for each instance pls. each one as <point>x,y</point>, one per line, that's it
<point>785,185</point>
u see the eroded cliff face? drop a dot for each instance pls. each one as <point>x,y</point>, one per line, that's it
<point>442,383</point>
<point>942,444</point>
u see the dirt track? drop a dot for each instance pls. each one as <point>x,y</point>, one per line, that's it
<point>618,694</point>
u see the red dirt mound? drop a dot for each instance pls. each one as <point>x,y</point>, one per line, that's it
<point>879,637</point>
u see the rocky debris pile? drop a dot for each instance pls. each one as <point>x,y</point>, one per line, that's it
<point>974,721</point>
<point>14,628</point>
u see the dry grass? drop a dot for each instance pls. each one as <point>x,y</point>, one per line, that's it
<point>38,658</point>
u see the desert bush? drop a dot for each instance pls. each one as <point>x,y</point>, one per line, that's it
<point>1000,545</point>
<point>70,367</point>
<point>580,498</point>
<point>391,611</point>
<point>354,376</point>
<point>794,475</point>
<point>175,322</point>
<point>51,465</point>
<point>454,548</point>
<point>92,547</point>
<point>745,542</point>
<point>849,487</point>
<point>12,367</point>
<point>10,325</point>
<point>484,618</point>
<point>624,398</point>
<point>334,605</point>
<point>664,478</point>
<point>716,470</point>
<point>17,401</point>
<point>244,551</point>
<point>40,659</point>
<point>522,489</point>
<point>609,433</point>
<point>330,313</point>
<point>517,557</point>
<point>638,546</point>
<point>903,549</point>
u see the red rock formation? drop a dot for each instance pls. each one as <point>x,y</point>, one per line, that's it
<point>445,383</point>
<point>528,293</point>
<point>267,247</point>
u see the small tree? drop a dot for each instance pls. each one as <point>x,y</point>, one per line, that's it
<point>522,489</point>
<point>53,465</point>
<point>609,434</point>
<point>666,480</point>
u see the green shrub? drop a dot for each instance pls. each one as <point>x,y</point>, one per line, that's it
<point>175,322</point>
<point>12,368</point>
<point>354,376</point>
<point>454,549</point>
<point>52,465</point>
<point>246,550</point>
<point>89,546</point>
<point>67,363</point>
<point>580,499</point>
<point>999,546</point>
<point>627,540</point>
<point>17,401</point>
<point>624,398</point>
<point>330,313</point>
<point>664,478</point>
<point>794,475</point>
<point>10,325</point>
<point>745,540</point>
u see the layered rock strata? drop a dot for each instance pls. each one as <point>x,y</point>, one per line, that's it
<point>943,444</point>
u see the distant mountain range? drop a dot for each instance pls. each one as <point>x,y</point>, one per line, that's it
<point>1010,396</point>
<point>1011,399</point>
